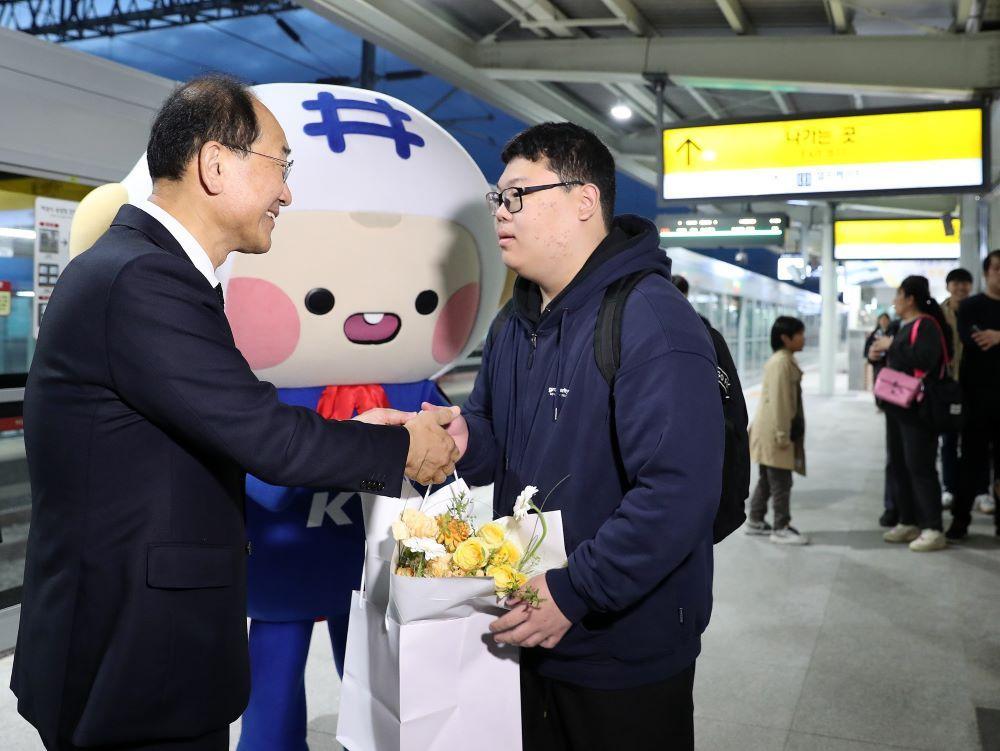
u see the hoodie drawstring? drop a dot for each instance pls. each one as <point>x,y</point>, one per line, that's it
<point>557,390</point>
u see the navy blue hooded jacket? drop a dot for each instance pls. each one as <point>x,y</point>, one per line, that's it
<point>642,469</point>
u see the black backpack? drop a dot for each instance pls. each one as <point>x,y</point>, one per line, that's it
<point>607,352</point>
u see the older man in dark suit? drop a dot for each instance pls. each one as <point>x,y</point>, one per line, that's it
<point>141,420</point>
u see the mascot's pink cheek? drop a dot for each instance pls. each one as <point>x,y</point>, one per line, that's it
<point>455,323</point>
<point>264,320</point>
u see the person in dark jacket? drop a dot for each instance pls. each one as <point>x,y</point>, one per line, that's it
<point>979,328</point>
<point>141,418</point>
<point>959,286</point>
<point>684,286</point>
<point>887,327</point>
<point>881,330</point>
<point>609,652</point>
<point>921,348</point>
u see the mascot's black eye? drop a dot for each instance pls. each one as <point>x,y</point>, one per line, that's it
<point>319,301</point>
<point>427,302</point>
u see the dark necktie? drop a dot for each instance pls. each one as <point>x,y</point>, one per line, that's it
<point>218,291</point>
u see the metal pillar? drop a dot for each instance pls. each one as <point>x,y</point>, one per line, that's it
<point>828,317</point>
<point>368,77</point>
<point>969,257</point>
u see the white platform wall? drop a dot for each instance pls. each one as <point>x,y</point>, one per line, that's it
<point>67,114</point>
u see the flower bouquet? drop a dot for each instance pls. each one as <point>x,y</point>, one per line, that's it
<point>483,560</point>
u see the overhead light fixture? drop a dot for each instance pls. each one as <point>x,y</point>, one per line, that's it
<point>621,112</point>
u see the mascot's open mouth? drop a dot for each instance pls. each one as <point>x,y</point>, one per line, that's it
<point>372,328</point>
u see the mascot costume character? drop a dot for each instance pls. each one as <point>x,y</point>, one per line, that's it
<point>383,272</point>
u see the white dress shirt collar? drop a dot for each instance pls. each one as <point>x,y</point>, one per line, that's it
<point>184,238</point>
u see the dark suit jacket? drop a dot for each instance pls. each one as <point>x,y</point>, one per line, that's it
<point>141,420</point>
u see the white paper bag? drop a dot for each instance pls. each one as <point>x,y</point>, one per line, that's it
<point>422,671</point>
<point>379,512</point>
<point>427,686</point>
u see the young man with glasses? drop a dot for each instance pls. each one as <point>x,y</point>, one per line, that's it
<point>608,652</point>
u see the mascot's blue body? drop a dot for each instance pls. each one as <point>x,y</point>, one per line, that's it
<point>307,555</point>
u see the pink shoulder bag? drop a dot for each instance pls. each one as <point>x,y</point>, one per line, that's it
<point>899,388</point>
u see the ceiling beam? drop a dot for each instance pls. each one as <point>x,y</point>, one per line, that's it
<point>838,16</point>
<point>647,99</point>
<point>891,65</point>
<point>704,102</point>
<point>735,16</point>
<point>533,15</point>
<point>516,14</point>
<point>408,30</point>
<point>782,101</point>
<point>640,106</point>
<point>634,21</point>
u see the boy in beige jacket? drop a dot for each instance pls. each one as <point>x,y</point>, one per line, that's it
<point>777,435</point>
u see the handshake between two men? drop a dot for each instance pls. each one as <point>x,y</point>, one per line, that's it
<point>433,450</point>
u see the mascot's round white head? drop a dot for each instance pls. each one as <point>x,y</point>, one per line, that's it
<point>384,268</point>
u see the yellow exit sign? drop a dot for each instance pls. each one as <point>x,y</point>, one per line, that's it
<point>887,152</point>
<point>896,239</point>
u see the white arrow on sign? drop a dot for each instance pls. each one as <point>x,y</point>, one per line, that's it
<point>324,505</point>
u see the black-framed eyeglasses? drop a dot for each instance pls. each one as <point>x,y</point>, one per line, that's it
<point>286,164</point>
<point>511,197</point>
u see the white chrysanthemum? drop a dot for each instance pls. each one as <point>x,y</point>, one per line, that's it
<point>430,548</point>
<point>521,504</point>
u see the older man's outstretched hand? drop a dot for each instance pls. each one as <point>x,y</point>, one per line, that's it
<point>433,452</point>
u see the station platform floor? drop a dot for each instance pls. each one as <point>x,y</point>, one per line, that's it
<point>848,644</point>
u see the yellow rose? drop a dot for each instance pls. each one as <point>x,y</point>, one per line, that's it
<point>419,524</point>
<point>507,578</point>
<point>492,534</point>
<point>440,567</point>
<point>508,553</point>
<point>404,571</point>
<point>471,554</point>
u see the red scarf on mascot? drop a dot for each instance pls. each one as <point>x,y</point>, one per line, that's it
<point>344,402</point>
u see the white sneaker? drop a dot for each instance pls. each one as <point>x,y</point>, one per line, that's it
<point>789,536</point>
<point>930,539</point>
<point>902,533</point>
<point>947,499</point>
<point>985,503</point>
<point>757,528</point>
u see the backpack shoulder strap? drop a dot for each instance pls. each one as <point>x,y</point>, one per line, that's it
<point>945,358</point>
<point>608,330</point>
<point>499,320</point>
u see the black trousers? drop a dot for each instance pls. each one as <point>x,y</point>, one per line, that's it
<point>949,462</point>
<point>558,716</point>
<point>916,491</point>
<point>980,447</point>
<point>217,740</point>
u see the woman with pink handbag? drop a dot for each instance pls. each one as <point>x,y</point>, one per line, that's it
<point>914,356</point>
